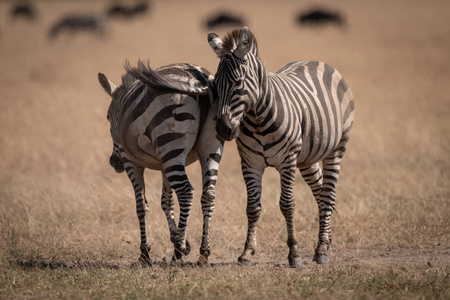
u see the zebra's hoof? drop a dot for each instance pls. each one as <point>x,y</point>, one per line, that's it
<point>203,261</point>
<point>145,261</point>
<point>188,248</point>
<point>295,262</point>
<point>243,261</point>
<point>321,259</point>
<point>178,262</point>
<point>180,251</point>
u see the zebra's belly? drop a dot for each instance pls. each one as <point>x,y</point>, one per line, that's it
<point>304,158</point>
<point>317,147</point>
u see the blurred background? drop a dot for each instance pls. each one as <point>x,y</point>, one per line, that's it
<point>60,199</point>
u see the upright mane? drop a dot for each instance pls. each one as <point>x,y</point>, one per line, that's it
<point>181,78</point>
<point>129,84</point>
<point>128,80</point>
<point>230,42</point>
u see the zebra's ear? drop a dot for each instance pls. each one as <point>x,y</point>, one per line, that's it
<point>215,42</point>
<point>107,85</point>
<point>244,44</point>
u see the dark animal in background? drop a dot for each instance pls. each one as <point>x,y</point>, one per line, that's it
<point>224,19</point>
<point>23,10</point>
<point>320,16</point>
<point>118,10</point>
<point>75,23</point>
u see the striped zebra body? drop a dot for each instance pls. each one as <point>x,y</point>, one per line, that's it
<point>162,120</point>
<point>293,119</point>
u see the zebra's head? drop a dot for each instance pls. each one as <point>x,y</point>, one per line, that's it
<point>115,160</point>
<point>236,79</point>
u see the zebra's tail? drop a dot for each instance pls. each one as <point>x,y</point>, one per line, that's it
<point>180,84</point>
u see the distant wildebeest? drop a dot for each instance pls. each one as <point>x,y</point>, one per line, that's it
<point>124,11</point>
<point>24,10</point>
<point>75,23</point>
<point>224,19</point>
<point>320,16</point>
<point>163,120</point>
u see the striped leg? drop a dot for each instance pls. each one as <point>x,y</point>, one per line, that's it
<point>252,178</point>
<point>314,178</point>
<point>287,206</point>
<point>168,206</point>
<point>331,168</point>
<point>210,153</point>
<point>210,171</point>
<point>136,176</point>
<point>177,178</point>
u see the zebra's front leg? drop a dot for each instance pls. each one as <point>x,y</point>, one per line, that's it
<point>136,176</point>
<point>210,171</point>
<point>287,207</point>
<point>177,178</point>
<point>331,168</point>
<point>252,180</point>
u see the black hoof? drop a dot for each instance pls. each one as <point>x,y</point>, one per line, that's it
<point>145,261</point>
<point>188,248</point>
<point>244,261</point>
<point>295,262</point>
<point>179,252</point>
<point>321,259</point>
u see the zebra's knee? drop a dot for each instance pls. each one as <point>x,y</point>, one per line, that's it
<point>254,210</point>
<point>207,201</point>
<point>184,190</point>
<point>287,206</point>
<point>209,195</point>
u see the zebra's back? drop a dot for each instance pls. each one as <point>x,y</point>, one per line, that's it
<point>157,126</point>
<point>166,128</point>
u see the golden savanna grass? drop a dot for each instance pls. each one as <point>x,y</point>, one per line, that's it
<point>68,222</point>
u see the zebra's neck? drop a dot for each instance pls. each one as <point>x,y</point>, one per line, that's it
<point>265,108</point>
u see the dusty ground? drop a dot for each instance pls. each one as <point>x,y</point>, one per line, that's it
<point>62,204</point>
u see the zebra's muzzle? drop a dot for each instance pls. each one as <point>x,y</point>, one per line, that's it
<point>225,129</point>
<point>116,163</point>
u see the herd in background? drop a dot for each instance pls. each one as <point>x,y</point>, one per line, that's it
<point>95,22</point>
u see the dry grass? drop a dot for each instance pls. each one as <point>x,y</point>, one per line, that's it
<point>68,225</point>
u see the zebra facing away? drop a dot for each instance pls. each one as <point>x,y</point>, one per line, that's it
<point>295,118</point>
<point>163,120</point>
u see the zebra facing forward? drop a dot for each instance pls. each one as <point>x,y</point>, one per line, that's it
<point>295,118</point>
<point>156,124</point>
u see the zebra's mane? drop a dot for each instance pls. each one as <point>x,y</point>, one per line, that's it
<point>128,83</point>
<point>180,78</point>
<point>230,42</point>
<point>127,80</point>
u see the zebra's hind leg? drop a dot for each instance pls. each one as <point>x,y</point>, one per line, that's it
<point>287,207</point>
<point>331,168</point>
<point>252,180</point>
<point>178,180</point>
<point>168,206</point>
<point>314,178</point>
<point>136,176</point>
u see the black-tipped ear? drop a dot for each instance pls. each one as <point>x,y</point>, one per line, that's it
<point>244,44</point>
<point>215,42</point>
<point>107,85</point>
